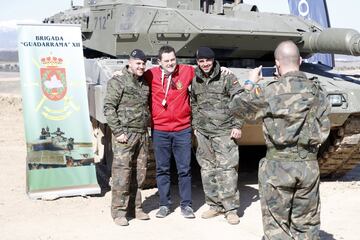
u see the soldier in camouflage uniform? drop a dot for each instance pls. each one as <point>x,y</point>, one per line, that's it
<point>294,111</point>
<point>215,130</point>
<point>127,113</point>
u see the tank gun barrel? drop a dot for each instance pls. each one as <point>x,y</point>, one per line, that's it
<point>332,40</point>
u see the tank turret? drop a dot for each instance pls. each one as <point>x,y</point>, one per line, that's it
<point>241,37</point>
<point>234,30</point>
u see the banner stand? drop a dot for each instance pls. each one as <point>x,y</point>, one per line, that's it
<point>60,158</point>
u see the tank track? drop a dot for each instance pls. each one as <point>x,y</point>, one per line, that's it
<point>341,152</point>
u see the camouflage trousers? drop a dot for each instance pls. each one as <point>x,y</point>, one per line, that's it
<point>289,197</point>
<point>128,174</point>
<point>218,158</point>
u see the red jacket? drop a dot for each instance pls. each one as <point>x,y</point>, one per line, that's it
<point>176,116</point>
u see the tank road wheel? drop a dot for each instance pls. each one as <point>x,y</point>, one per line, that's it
<point>102,164</point>
<point>98,146</point>
<point>341,152</point>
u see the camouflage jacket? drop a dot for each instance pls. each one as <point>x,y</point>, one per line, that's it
<point>126,104</point>
<point>294,111</point>
<point>210,98</point>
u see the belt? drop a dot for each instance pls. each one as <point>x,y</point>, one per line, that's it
<point>292,153</point>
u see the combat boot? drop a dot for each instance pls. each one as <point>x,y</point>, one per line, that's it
<point>232,218</point>
<point>121,221</point>
<point>210,213</point>
<point>139,214</point>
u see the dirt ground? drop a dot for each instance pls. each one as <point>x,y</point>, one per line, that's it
<point>89,217</point>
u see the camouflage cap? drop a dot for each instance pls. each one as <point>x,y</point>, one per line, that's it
<point>138,54</point>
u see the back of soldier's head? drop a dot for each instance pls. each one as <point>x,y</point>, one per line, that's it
<point>287,53</point>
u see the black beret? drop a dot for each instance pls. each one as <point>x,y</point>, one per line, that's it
<point>205,52</point>
<point>139,54</point>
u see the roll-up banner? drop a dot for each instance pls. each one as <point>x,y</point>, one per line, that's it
<point>60,160</point>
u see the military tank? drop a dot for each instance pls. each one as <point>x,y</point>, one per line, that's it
<point>242,38</point>
<point>57,151</point>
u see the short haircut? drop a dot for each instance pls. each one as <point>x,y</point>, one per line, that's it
<point>165,49</point>
<point>288,53</point>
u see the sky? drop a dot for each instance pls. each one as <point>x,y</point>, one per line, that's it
<point>343,13</point>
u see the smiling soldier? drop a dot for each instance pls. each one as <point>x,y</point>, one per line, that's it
<point>126,108</point>
<point>215,129</point>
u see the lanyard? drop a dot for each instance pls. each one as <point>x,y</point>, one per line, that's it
<point>167,85</point>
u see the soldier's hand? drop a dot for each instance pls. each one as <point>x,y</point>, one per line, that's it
<point>122,138</point>
<point>225,70</point>
<point>235,133</point>
<point>255,74</point>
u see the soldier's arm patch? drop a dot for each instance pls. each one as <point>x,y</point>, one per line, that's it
<point>257,90</point>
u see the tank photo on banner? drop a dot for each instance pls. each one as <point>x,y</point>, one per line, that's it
<point>60,160</point>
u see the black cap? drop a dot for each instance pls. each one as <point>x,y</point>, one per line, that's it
<point>139,54</point>
<point>205,52</point>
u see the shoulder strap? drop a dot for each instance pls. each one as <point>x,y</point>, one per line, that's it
<point>271,82</point>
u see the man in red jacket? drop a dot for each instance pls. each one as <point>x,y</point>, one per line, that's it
<point>171,123</point>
